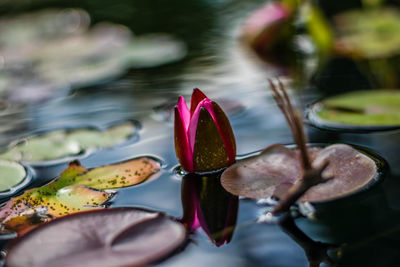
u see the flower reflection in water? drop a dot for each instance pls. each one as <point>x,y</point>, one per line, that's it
<point>208,206</point>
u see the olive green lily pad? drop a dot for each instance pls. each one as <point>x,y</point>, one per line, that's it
<point>360,108</point>
<point>11,174</point>
<point>370,33</point>
<point>63,143</point>
<point>277,168</point>
<point>91,138</point>
<point>76,189</point>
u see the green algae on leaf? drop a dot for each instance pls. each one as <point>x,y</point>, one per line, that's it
<point>106,237</point>
<point>277,168</point>
<point>75,190</point>
<point>59,144</point>
<point>11,174</point>
<point>360,108</point>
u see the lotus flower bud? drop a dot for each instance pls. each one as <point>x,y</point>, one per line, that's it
<point>215,212</point>
<point>204,139</point>
<point>264,27</point>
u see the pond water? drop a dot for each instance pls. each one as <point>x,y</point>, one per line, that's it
<point>366,234</point>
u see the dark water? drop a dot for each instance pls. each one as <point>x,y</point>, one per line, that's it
<point>364,231</point>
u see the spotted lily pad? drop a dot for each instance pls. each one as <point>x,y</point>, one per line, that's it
<point>372,108</point>
<point>107,237</point>
<point>277,168</point>
<point>63,143</point>
<point>75,190</point>
<point>370,33</point>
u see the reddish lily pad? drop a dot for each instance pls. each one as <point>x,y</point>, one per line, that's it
<point>277,168</point>
<point>75,190</point>
<point>107,237</point>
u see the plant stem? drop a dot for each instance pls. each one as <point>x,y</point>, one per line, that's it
<point>312,176</point>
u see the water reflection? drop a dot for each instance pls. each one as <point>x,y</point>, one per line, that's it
<point>208,206</point>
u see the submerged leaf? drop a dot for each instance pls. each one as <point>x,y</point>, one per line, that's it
<point>277,168</point>
<point>76,189</point>
<point>107,237</point>
<point>63,143</point>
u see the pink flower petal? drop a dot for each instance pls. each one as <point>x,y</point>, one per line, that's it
<point>225,130</point>
<point>197,97</point>
<point>182,148</point>
<point>265,16</point>
<point>184,112</point>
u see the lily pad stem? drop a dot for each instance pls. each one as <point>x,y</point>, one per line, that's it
<point>312,176</point>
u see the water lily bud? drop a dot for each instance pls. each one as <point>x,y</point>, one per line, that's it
<point>214,211</point>
<point>204,139</point>
<point>264,27</point>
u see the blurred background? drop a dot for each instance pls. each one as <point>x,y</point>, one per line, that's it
<point>65,64</point>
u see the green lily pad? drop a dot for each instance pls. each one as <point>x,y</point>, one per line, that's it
<point>91,138</point>
<point>75,190</point>
<point>11,174</point>
<point>154,50</point>
<point>52,145</point>
<point>360,108</point>
<point>90,55</point>
<point>370,33</point>
<point>63,143</point>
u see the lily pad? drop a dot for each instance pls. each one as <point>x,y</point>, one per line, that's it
<point>370,33</point>
<point>35,70</point>
<point>372,108</point>
<point>11,174</point>
<point>92,138</point>
<point>277,168</point>
<point>75,190</point>
<point>107,237</point>
<point>152,50</point>
<point>63,143</point>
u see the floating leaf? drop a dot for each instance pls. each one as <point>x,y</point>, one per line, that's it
<point>76,189</point>
<point>48,146</point>
<point>11,174</point>
<point>277,168</point>
<point>35,69</point>
<point>63,143</point>
<point>107,237</point>
<point>360,108</point>
<point>119,175</point>
<point>92,138</point>
<point>370,33</point>
<point>154,50</point>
